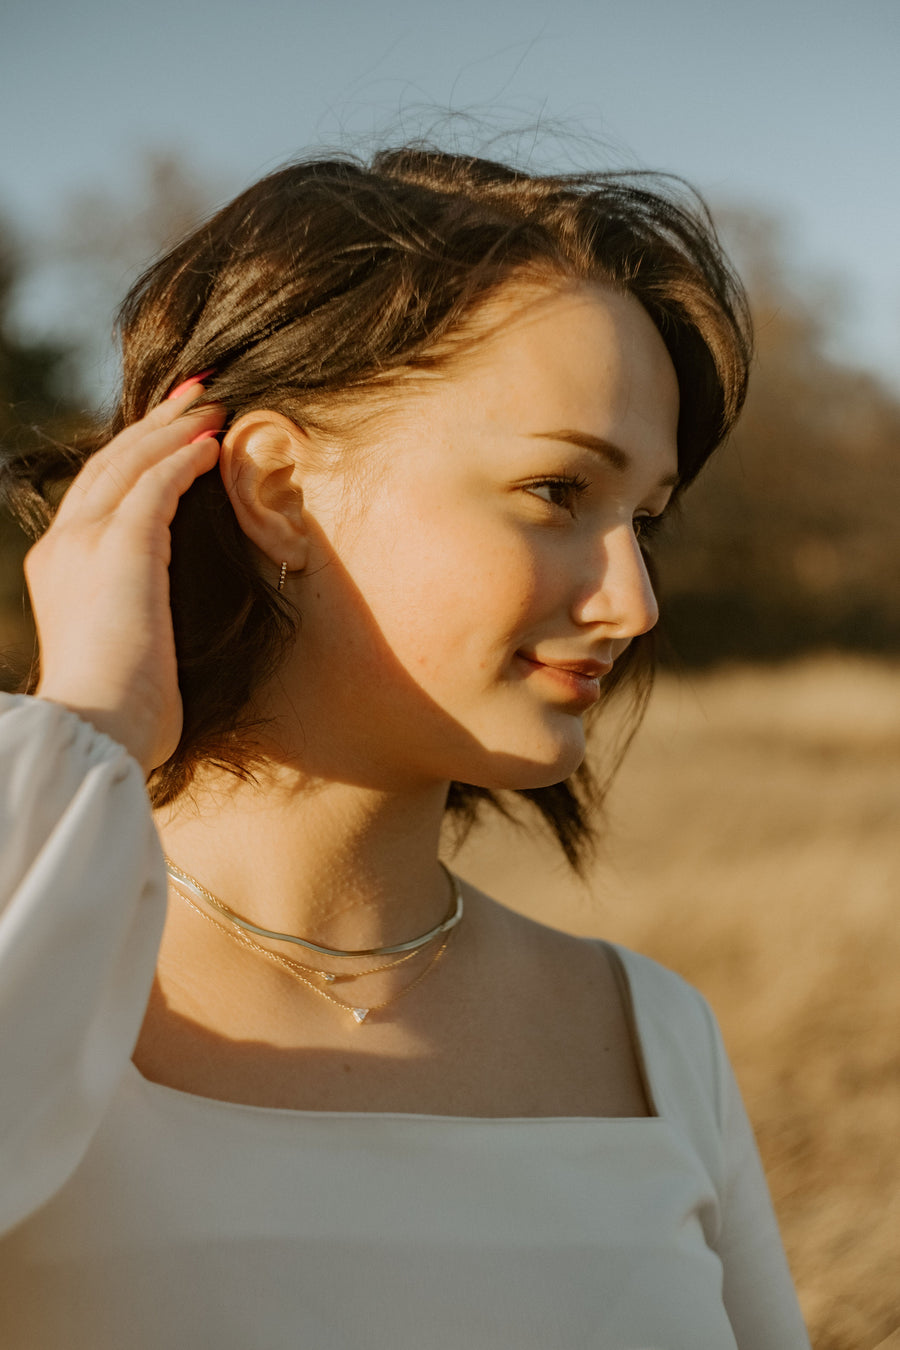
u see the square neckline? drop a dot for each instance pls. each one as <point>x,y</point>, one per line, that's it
<point>632,1017</point>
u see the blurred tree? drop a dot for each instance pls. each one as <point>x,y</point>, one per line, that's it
<point>35,380</point>
<point>106,234</point>
<point>104,241</point>
<point>36,400</point>
<point>87,263</point>
<point>789,540</point>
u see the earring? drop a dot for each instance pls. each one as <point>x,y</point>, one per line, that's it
<point>282,577</point>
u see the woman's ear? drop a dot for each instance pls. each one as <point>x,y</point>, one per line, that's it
<point>262,464</point>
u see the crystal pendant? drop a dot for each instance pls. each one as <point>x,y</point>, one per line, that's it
<point>360,1013</point>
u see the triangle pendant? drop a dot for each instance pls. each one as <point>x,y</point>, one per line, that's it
<point>360,1013</point>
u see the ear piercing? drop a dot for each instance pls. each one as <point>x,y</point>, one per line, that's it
<point>282,577</point>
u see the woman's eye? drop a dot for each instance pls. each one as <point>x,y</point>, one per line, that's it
<point>563,491</point>
<point>645,527</point>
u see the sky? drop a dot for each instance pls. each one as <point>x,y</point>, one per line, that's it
<point>789,106</point>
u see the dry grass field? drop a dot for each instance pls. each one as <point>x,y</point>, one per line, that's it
<point>754,846</point>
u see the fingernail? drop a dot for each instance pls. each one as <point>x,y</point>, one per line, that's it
<point>204,436</point>
<point>186,384</point>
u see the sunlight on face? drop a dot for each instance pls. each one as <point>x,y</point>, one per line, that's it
<point>459,622</point>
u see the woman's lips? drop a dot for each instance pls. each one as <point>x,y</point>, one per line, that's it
<point>579,679</point>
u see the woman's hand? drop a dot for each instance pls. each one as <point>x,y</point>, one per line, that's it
<point>99,579</point>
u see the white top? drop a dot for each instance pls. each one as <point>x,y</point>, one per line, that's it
<point>142,1217</point>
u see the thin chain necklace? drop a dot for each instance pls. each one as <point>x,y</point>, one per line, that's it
<point>358,1012</point>
<point>453,917</point>
<point>328,975</point>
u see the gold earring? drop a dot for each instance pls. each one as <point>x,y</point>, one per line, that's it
<point>282,577</point>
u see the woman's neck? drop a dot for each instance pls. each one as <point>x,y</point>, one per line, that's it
<point>344,866</point>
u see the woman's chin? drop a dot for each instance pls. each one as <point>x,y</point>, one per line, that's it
<point>538,767</point>
<point>546,776</point>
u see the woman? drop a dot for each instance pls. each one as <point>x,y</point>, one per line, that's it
<point>379,562</point>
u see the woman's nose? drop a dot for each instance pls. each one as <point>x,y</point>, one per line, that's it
<point>620,594</point>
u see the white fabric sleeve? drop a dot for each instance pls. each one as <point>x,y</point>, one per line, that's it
<point>757,1288</point>
<point>693,1086</point>
<point>82,907</point>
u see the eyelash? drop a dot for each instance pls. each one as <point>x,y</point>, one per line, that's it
<point>646,528</point>
<point>574,485</point>
<point>571,485</point>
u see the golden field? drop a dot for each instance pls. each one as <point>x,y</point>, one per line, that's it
<point>754,846</point>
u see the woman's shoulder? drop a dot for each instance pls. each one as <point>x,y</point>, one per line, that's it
<point>671,1024</point>
<point>682,1048</point>
<point>657,988</point>
<point>671,1021</point>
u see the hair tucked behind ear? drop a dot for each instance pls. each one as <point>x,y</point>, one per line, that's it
<point>314,294</point>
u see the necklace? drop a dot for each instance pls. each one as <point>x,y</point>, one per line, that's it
<point>328,975</point>
<point>359,1013</point>
<point>445,926</point>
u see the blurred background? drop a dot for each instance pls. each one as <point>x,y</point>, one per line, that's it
<point>752,836</point>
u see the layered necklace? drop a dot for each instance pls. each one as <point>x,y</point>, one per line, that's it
<point>239,930</point>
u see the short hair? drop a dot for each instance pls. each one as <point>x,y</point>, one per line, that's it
<point>317,291</point>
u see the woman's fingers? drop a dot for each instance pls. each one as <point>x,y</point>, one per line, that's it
<point>155,496</point>
<point>112,472</point>
<point>164,414</point>
<point>100,584</point>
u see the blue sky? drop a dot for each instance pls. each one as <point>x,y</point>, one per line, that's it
<point>791,106</point>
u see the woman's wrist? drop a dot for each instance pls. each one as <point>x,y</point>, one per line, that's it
<point>111,722</point>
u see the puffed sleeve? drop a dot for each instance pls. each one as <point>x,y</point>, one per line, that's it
<point>694,1088</point>
<point>82,907</point>
<point>757,1289</point>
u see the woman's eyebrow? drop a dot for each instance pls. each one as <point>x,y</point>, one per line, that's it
<point>615,457</point>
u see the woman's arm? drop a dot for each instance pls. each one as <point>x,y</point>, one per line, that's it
<point>82,905</point>
<point>82,889</point>
<point>694,1088</point>
<point>757,1288</point>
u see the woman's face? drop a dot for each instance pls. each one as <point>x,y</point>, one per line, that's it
<point>474,579</point>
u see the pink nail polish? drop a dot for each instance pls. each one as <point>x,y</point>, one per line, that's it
<point>186,384</point>
<point>204,436</point>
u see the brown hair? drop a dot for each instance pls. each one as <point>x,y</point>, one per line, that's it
<point>332,280</point>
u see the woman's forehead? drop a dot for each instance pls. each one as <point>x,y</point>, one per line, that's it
<point>581,348</point>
